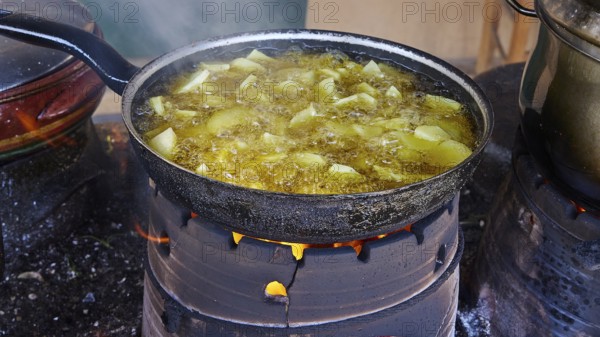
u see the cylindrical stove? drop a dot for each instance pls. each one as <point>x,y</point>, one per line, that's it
<point>203,280</point>
<point>538,268</point>
<point>536,271</point>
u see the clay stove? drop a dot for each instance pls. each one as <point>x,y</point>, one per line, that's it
<point>538,266</point>
<point>201,282</point>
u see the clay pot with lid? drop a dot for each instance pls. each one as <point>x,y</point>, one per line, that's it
<point>560,96</point>
<point>44,94</point>
<point>50,157</point>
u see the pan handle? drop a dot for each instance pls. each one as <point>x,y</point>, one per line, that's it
<point>521,9</point>
<point>114,70</point>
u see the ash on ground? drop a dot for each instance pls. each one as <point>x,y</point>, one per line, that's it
<point>88,281</point>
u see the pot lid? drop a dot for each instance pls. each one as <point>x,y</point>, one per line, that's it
<point>579,17</point>
<point>22,63</point>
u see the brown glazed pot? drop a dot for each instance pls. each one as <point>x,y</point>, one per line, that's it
<point>44,94</point>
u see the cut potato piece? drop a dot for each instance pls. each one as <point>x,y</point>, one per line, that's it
<point>258,56</point>
<point>326,90</point>
<point>225,119</point>
<point>387,174</point>
<point>398,123</point>
<point>342,71</point>
<point>342,102</point>
<point>344,172</point>
<point>202,169</point>
<point>156,103</point>
<point>246,65</point>
<point>367,89</point>
<point>152,133</point>
<point>367,101</point>
<point>372,69</point>
<point>412,142</point>
<point>251,80</point>
<point>393,92</point>
<point>274,140</point>
<point>307,77</point>
<point>331,73</point>
<point>303,116</point>
<point>195,81</point>
<point>340,130</point>
<point>185,113</point>
<point>212,101</point>
<point>289,89</point>
<point>441,104</point>
<point>271,158</point>
<point>362,101</point>
<point>352,65</point>
<point>215,67</point>
<point>241,145</point>
<point>367,131</point>
<point>164,143</point>
<point>455,126</point>
<point>306,159</point>
<point>431,132</point>
<point>448,153</point>
<point>250,90</point>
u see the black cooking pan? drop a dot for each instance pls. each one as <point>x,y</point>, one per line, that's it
<point>276,216</point>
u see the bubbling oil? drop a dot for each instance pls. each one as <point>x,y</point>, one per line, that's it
<point>309,123</point>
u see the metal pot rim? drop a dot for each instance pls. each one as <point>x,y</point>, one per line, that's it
<point>571,36</point>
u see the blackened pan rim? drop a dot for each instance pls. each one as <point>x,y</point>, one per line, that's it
<point>454,74</point>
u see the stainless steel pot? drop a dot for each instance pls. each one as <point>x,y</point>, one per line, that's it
<point>560,95</point>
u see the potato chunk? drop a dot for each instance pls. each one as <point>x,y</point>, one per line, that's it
<point>156,103</point>
<point>185,113</point>
<point>372,69</point>
<point>431,133</point>
<point>195,81</point>
<point>342,172</point>
<point>367,89</point>
<point>441,104</point>
<point>164,143</point>
<point>326,90</point>
<point>306,159</point>
<point>331,73</point>
<point>448,153</point>
<point>246,65</point>
<point>258,56</point>
<point>215,67</point>
<point>393,92</point>
<point>361,101</point>
<point>228,118</point>
<point>304,116</point>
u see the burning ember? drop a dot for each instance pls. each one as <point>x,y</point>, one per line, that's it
<point>578,207</point>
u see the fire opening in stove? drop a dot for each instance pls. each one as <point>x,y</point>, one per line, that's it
<point>298,248</point>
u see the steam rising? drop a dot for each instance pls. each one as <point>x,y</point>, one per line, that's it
<point>145,29</point>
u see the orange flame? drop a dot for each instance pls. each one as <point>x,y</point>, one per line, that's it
<point>578,207</point>
<point>298,248</point>
<point>151,238</point>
